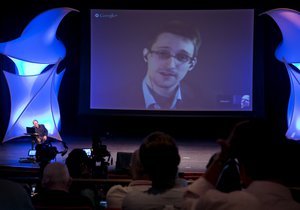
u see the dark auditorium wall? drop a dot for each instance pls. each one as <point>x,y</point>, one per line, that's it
<point>15,16</point>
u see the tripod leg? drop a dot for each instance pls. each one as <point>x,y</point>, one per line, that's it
<point>32,143</point>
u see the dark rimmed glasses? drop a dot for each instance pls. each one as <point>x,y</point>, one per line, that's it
<point>166,54</point>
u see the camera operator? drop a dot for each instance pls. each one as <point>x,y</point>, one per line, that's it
<point>101,158</point>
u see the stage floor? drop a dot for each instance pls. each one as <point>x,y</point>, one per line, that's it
<point>195,153</point>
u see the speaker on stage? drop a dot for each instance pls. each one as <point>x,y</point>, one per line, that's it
<point>123,162</point>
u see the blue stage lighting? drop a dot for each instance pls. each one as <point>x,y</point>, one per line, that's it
<point>34,91</point>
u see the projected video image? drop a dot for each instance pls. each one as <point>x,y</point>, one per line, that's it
<point>179,60</point>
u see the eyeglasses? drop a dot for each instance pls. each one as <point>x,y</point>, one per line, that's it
<point>165,54</point>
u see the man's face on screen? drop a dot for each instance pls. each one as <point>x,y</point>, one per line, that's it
<point>169,60</point>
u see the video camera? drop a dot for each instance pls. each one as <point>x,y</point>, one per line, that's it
<point>46,152</point>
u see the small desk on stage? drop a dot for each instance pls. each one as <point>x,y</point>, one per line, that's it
<point>30,159</point>
<point>33,138</point>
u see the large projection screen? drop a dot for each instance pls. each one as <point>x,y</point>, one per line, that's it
<point>221,80</point>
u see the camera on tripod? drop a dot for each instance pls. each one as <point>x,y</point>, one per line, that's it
<point>46,152</point>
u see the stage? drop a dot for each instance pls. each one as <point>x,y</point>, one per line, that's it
<point>194,153</point>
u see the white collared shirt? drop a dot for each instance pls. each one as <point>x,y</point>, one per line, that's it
<point>150,100</point>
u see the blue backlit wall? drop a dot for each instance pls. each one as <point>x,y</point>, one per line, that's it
<point>288,52</point>
<point>35,84</point>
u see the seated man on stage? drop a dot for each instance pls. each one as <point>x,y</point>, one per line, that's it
<point>41,130</point>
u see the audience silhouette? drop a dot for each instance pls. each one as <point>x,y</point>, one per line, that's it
<point>258,148</point>
<point>140,182</point>
<point>80,167</point>
<point>160,158</point>
<point>55,194</point>
<point>14,196</point>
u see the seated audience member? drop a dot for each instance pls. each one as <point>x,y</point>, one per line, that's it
<point>79,164</point>
<point>140,182</point>
<point>160,158</point>
<point>257,147</point>
<point>14,196</point>
<point>55,193</point>
<point>80,167</point>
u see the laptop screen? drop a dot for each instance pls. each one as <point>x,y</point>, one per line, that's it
<point>31,152</point>
<point>30,130</point>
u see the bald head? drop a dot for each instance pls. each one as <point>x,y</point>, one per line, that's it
<point>56,177</point>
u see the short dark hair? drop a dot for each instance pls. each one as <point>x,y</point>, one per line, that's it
<point>159,156</point>
<point>76,158</point>
<point>180,28</point>
<point>256,144</point>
